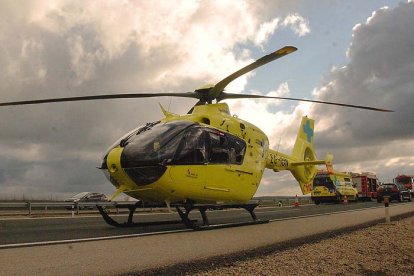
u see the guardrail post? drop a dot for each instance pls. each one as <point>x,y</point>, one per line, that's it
<point>29,204</point>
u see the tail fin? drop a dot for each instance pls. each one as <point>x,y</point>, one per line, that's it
<point>302,162</point>
<point>304,170</point>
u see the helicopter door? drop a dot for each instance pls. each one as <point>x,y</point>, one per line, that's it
<point>218,169</point>
<point>225,157</point>
<point>187,170</point>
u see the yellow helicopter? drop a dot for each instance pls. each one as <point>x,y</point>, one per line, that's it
<point>205,159</point>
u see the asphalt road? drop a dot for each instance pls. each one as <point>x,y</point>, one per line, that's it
<point>139,252</point>
<point>14,231</point>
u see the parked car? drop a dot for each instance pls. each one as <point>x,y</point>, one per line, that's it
<point>394,191</point>
<point>87,197</point>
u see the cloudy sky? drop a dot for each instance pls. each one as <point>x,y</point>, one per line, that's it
<point>349,51</point>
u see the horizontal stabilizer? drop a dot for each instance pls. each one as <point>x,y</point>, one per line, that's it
<point>327,161</point>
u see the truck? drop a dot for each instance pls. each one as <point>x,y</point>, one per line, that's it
<point>407,181</point>
<point>366,184</point>
<point>333,187</point>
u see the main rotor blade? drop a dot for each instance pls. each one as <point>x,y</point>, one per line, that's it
<point>219,87</point>
<point>224,96</point>
<point>103,97</point>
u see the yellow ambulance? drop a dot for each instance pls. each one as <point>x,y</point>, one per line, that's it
<point>333,187</point>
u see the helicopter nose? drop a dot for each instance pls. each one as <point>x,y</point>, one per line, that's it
<point>139,166</point>
<point>131,163</point>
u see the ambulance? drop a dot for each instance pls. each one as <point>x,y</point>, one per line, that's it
<point>333,187</point>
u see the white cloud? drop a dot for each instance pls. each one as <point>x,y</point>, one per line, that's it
<point>279,125</point>
<point>297,23</point>
<point>282,91</point>
<point>266,30</point>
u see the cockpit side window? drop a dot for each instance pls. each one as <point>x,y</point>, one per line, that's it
<point>219,148</point>
<point>237,149</point>
<point>192,148</point>
<point>202,145</point>
<point>225,148</point>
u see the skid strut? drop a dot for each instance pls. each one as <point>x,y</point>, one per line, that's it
<point>184,211</point>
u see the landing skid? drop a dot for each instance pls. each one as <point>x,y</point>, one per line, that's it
<point>129,223</point>
<point>184,211</point>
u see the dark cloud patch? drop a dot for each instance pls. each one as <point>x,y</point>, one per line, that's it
<point>41,179</point>
<point>380,73</point>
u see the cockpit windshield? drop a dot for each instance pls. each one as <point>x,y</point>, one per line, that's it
<point>180,143</point>
<point>153,136</point>
<point>152,144</point>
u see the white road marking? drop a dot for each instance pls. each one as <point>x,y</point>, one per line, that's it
<point>28,244</point>
<point>17,245</point>
<point>325,214</point>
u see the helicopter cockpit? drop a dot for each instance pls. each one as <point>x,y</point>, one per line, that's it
<point>149,149</point>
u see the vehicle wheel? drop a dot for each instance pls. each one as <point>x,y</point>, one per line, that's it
<point>317,202</point>
<point>409,198</point>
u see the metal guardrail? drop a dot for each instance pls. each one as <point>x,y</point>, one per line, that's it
<point>74,207</point>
